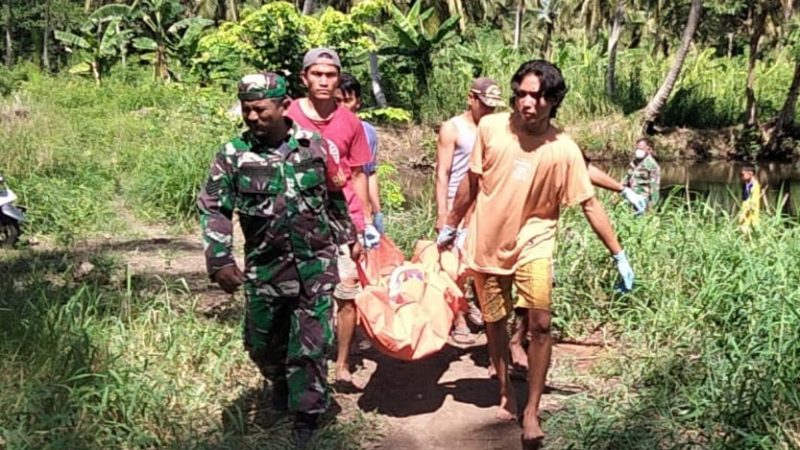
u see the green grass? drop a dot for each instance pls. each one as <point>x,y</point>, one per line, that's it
<point>83,151</point>
<point>108,360</point>
<point>708,339</point>
<point>708,94</point>
<point>708,348</point>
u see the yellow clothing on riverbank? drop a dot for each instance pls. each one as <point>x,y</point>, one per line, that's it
<point>751,206</point>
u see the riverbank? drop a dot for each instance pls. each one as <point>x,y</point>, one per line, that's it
<point>609,139</point>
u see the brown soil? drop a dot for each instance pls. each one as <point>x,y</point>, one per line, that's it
<point>444,402</point>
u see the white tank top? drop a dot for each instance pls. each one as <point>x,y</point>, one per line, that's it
<point>461,154</point>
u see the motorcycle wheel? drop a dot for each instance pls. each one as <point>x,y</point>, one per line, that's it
<point>9,234</point>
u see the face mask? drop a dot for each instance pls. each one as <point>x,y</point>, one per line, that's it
<point>639,153</point>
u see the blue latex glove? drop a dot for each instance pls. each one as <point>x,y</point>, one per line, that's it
<point>639,202</point>
<point>446,238</point>
<point>371,236</point>
<point>625,271</point>
<point>377,220</point>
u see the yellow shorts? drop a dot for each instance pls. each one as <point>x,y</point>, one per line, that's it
<point>534,283</point>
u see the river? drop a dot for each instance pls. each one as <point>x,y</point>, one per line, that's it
<point>717,182</point>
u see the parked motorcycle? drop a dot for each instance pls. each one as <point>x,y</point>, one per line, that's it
<point>11,216</point>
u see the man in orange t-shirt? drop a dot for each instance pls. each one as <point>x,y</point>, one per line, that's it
<point>526,168</point>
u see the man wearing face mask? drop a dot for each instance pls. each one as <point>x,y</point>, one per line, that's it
<point>644,173</point>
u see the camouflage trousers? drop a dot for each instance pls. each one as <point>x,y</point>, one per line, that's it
<point>287,338</point>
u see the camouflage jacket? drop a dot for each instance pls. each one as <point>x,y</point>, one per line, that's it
<point>645,179</point>
<point>290,221</point>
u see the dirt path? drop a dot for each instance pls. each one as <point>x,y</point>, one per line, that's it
<point>444,402</point>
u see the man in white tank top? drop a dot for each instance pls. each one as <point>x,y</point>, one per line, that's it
<point>456,138</point>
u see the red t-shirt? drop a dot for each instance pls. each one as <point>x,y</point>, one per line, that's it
<point>345,134</point>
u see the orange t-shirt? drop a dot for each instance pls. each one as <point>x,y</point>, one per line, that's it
<point>523,183</point>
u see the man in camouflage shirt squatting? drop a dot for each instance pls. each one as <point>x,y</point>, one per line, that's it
<point>644,173</point>
<point>277,176</point>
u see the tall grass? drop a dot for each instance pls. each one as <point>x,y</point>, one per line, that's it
<point>110,360</point>
<point>708,339</point>
<point>709,93</point>
<point>85,150</point>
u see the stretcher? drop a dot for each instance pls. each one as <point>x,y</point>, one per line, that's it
<point>407,308</point>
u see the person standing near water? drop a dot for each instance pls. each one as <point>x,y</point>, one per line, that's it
<point>527,168</point>
<point>751,199</point>
<point>644,173</point>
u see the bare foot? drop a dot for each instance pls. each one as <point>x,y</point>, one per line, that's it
<point>507,411</point>
<point>518,356</point>
<point>531,429</point>
<point>343,374</point>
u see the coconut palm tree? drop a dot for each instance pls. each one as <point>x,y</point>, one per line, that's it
<point>653,109</point>
<point>613,41</point>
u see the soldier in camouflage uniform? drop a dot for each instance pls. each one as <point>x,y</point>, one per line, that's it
<point>282,180</point>
<point>644,173</point>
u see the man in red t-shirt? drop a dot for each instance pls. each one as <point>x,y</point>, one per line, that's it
<point>345,135</point>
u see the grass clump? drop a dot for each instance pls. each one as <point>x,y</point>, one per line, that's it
<point>708,338</point>
<point>102,359</point>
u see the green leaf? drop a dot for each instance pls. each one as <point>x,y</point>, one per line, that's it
<point>445,30</point>
<point>192,22</point>
<point>114,11</point>
<point>144,43</point>
<point>81,68</point>
<point>72,39</point>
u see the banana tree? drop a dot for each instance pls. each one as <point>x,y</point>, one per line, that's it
<point>166,34</point>
<point>415,45</point>
<point>101,40</point>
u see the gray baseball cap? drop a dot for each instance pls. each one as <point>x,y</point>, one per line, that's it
<point>321,55</point>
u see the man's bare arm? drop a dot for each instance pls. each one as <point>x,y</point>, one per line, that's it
<point>465,197</point>
<point>374,194</point>
<point>360,186</point>
<point>445,147</point>
<point>598,219</point>
<point>603,180</point>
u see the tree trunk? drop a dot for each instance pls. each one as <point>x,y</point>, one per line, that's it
<point>9,40</point>
<point>613,43</point>
<point>375,77</point>
<point>658,101</point>
<point>594,24</point>
<point>456,7</point>
<point>46,38</point>
<point>518,22</point>
<point>87,6</point>
<point>786,116</point>
<point>308,7</point>
<point>161,70</point>
<point>233,11</point>
<point>96,72</point>
<point>758,18</point>
<point>548,33</point>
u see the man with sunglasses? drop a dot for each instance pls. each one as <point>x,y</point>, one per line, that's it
<point>527,168</point>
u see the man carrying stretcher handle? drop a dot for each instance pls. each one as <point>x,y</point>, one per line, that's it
<point>527,168</point>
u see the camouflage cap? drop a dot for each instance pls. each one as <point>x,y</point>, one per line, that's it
<point>488,91</point>
<point>262,85</point>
